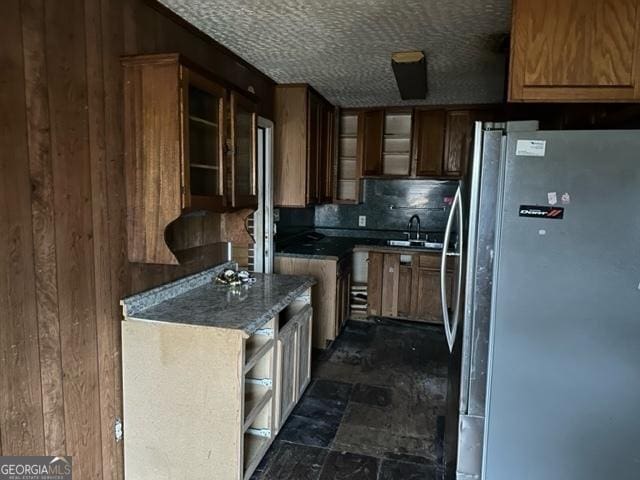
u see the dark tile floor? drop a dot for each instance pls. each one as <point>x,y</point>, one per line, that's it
<point>374,409</point>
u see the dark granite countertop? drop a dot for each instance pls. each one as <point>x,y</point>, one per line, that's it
<point>335,247</point>
<point>205,303</point>
<point>328,248</point>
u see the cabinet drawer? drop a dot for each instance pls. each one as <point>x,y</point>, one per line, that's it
<point>429,261</point>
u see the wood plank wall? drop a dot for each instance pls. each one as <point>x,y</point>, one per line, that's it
<point>63,259</point>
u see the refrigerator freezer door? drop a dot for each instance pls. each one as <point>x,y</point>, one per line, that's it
<point>451,321</point>
<point>564,386</point>
<point>477,310</point>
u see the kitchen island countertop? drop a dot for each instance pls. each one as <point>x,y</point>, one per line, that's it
<point>198,300</point>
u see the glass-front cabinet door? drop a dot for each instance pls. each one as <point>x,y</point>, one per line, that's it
<point>203,107</point>
<point>243,152</point>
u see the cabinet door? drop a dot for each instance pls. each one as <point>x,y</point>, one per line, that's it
<point>404,291</point>
<point>244,191</point>
<point>347,297</point>
<point>374,284</point>
<point>203,109</point>
<point>339,304</point>
<point>314,129</point>
<point>575,50</point>
<point>390,279</point>
<point>370,138</point>
<point>327,148</point>
<point>343,296</point>
<point>458,146</point>
<point>304,351</point>
<point>427,304</point>
<point>286,373</point>
<point>428,138</point>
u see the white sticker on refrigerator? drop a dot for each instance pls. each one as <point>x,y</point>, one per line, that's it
<point>552,197</point>
<point>531,148</point>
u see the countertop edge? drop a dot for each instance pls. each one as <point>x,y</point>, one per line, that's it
<point>246,330</point>
<point>133,304</point>
<point>278,307</point>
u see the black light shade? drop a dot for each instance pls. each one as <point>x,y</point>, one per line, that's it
<point>410,69</point>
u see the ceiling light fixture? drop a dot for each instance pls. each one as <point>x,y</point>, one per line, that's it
<point>410,69</point>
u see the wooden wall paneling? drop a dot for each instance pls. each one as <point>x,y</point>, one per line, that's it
<point>98,36</point>
<point>21,420</point>
<point>38,125</point>
<point>109,339</point>
<point>63,251</point>
<point>70,142</point>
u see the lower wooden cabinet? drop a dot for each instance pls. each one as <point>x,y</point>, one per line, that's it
<point>293,358</point>
<point>287,389</point>
<point>405,278</point>
<point>343,293</point>
<point>214,398</point>
<point>374,284</point>
<point>330,295</point>
<point>303,326</point>
<point>426,303</point>
<point>406,285</point>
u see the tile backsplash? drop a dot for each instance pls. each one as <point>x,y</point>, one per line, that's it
<point>387,206</point>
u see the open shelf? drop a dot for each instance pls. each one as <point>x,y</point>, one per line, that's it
<point>254,448</point>
<point>295,309</point>
<point>256,397</point>
<point>396,149</point>
<point>257,349</point>
<point>203,121</point>
<point>203,165</point>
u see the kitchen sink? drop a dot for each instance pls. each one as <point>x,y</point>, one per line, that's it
<point>414,244</point>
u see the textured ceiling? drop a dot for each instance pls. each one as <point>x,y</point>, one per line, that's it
<point>343,48</point>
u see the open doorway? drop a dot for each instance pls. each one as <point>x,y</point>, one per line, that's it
<point>261,257</point>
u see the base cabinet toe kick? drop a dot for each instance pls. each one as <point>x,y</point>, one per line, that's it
<point>203,402</point>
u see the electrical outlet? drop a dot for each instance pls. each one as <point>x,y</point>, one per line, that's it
<point>362,220</point>
<point>276,215</point>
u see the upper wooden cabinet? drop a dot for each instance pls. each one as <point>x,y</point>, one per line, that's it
<point>575,51</point>
<point>243,152</point>
<point>457,143</point>
<point>370,137</point>
<point>442,142</point>
<point>190,144</point>
<point>428,138</point>
<point>384,142</point>
<point>303,149</point>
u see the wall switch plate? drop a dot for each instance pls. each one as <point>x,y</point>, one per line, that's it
<point>362,220</point>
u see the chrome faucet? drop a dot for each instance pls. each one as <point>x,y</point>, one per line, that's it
<point>410,226</point>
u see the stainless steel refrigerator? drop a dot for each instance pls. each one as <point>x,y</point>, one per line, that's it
<point>550,307</point>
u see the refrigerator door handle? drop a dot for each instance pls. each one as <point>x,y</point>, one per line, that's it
<point>449,331</point>
<point>457,308</point>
